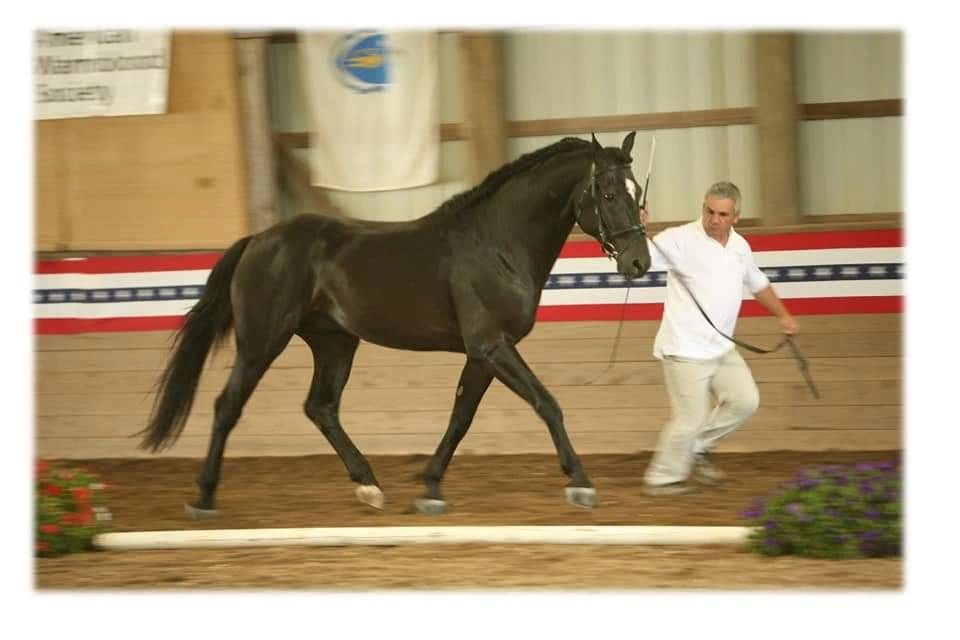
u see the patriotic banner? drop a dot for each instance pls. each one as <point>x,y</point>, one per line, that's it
<point>100,73</point>
<point>373,108</point>
<point>814,272</point>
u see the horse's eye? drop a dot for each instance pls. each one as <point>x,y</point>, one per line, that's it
<point>608,196</point>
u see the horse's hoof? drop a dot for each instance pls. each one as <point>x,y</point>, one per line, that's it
<point>430,506</point>
<point>585,497</point>
<point>196,513</point>
<point>370,494</point>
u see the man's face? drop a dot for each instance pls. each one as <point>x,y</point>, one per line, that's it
<point>718,217</point>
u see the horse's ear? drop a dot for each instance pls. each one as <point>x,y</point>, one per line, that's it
<point>596,145</point>
<point>627,145</point>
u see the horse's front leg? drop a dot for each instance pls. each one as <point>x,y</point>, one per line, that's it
<point>474,381</point>
<point>513,372</point>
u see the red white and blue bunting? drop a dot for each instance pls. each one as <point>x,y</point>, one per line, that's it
<point>815,272</point>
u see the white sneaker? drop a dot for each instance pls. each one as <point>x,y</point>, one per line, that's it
<point>669,489</point>
<point>705,471</point>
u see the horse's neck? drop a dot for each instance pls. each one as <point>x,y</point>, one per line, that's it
<point>542,219</point>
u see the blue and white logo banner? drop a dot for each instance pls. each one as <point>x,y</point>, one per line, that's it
<point>373,108</point>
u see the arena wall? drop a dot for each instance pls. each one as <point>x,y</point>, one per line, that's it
<point>170,181</point>
<point>94,389</point>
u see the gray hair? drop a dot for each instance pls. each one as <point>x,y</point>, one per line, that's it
<point>725,190</point>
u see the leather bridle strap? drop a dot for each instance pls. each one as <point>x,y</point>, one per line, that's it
<point>606,236</point>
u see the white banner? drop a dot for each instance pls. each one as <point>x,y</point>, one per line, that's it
<point>79,74</point>
<point>373,112</point>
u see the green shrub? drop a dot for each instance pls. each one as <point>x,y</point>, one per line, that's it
<point>832,511</point>
<point>70,509</point>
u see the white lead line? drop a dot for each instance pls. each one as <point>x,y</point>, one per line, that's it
<point>392,536</point>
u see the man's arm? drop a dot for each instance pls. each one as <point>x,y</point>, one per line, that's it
<point>772,303</point>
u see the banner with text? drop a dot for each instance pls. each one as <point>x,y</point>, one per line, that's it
<point>100,73</point>
<point>372,100</point>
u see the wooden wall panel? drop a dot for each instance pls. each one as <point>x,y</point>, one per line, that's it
<point>49,229</point>
<point>170,181</point>
<point>93,392</point>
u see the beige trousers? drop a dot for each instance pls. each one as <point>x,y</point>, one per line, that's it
<point>695,426</point>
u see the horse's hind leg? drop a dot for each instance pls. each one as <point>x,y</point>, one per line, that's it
<point>474,381</point>
<point>332,360</point>
<point>248,368</point>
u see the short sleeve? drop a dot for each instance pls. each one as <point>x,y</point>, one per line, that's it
<point>754,279</point>
<point>665,251</point>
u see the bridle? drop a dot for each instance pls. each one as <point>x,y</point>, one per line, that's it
<point>606,236</point>
<point>606,241</point>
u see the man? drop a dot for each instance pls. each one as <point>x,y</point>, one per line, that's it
<point>709,259</point>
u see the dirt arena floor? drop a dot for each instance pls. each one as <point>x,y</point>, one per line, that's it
<point>314,491</point>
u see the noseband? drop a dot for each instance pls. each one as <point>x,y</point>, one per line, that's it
<point>606,236</point>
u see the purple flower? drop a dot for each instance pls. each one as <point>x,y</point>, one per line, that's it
<point>841,481</point>
<point>869,535</point>
<point>865,466</point>
<point>840,538</point>
<point>831,512</point>
<point>756,509</point>
<point>886,466</point>
<point>873,514</point>
<point>770,525</point>
<point>866,488</point>
<point>796,509</point>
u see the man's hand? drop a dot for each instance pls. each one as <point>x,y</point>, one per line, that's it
<point>789,325</point>
<point>644,216</point>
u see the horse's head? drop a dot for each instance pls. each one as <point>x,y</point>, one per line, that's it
<point>608,208</point>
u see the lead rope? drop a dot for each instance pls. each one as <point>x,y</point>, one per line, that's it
<point>787,340</point>
<point>616,340</point>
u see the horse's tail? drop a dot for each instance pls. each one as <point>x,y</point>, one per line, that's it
<point>206,326</point>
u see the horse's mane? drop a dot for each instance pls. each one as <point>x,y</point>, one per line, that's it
<point>495,179</point>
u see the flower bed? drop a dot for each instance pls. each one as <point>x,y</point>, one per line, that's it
<point>832,511</point>
<point>70,509</point>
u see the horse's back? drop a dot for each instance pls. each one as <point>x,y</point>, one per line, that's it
<point>386,282</point>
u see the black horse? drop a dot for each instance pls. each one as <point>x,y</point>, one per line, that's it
<point>466,278</point>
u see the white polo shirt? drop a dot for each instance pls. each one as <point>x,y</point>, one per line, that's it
<point>716,275</point>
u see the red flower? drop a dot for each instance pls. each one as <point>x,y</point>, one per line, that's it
<point>49,528</point>
<point>42,466</point>
<point>86,517</point>
<point>81,494</point>
<point>52,490</point>
<point>68,519</point>
<point>42,546</point>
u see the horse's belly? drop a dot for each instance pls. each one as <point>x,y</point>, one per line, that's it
<point>413,324</point>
